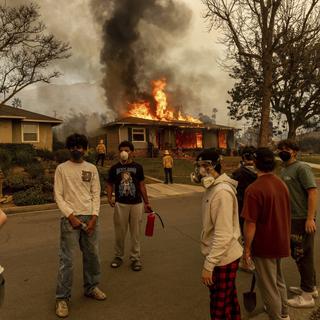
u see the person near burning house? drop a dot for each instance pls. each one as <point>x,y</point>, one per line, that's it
<point>220,235</point>
<point>245,175</point>
<point>101,152</point>
<point>266,211</point>
<point>303,193</point>
<point>127,178</point>
<point>77,194</point>
<point>167,162</point>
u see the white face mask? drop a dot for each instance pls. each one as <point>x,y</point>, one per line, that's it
<point>207,181</point>
<point>124,155</point>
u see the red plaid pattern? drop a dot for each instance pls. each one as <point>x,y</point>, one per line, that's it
<point>224,303</point>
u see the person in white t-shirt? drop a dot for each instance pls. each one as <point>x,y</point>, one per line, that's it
<point>77,194</point>
<point>3,219</point>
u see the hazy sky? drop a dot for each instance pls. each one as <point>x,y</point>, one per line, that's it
<point>73,21</point>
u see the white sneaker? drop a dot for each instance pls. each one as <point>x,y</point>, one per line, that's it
<point>287,317</point>
<point>298,290</point>
<point>301,302</point>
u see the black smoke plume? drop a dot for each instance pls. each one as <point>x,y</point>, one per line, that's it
<point>136,36</point>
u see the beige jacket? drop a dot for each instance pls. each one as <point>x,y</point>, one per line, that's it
<point>167,161</point>
<point>221,231</point>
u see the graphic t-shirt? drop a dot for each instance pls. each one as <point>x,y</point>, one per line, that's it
<point>126,179</point>
<point>267,204</point>
<point>298,178</point>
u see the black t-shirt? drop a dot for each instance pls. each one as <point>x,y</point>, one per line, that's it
<point>126,179</point>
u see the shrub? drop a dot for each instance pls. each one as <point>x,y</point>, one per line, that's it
<point>5,160</point>
<point>45,154</point>
<point>23,158</point>
<point>35,169</point>
<point>17,182</point>
<point>62,155</point>
<point>111,155</point>
<point>46,183</point>
<point>32,196</point>
<point>90,156</point>
<point>21,153</point>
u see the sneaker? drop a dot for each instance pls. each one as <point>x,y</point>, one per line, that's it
<point>136,265</point>
<point>298,290</point>
<point>285,317</point>
<point>96,294</point>
<point>301,302</point>
<point>62,310</point>
<point>116,262</point>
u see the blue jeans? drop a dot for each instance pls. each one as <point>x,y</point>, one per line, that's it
<point>69,240</point>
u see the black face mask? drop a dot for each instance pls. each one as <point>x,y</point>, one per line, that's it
<point>285,155</point>
<point>76,155</point>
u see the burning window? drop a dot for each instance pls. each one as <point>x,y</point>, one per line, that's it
<point>138,134</point>
<point>189,139</point>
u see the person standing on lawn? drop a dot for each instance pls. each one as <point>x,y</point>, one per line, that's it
<point>127,178</point>
<point>303,192</point>
<point>220,235</point>
<point>101,152</point>
<point>77,194</point>
<point>167,162</point>
<point>266,211</point>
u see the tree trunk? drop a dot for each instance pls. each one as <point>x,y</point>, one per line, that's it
<point>264,135</point>
<point>292,131</point>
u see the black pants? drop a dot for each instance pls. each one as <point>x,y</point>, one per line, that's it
<point>168,175</point>
<point>100,157</point>
<point>302,251</point>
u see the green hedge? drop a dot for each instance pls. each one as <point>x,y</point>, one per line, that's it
<point>32,196</point>
<point>19,153</point>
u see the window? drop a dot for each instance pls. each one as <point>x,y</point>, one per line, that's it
<point>138,134</point>
<point>30,132</point>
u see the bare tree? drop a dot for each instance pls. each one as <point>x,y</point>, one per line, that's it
<point>249,32</point>
<point>26,50</point>
<point>296,64</point>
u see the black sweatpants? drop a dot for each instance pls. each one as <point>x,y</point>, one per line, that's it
<point>302,251</point>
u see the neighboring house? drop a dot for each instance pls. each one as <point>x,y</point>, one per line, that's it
<point>168,135</point>
<point>22,126</point>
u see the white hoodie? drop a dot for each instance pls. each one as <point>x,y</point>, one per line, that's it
<point>221,231</point>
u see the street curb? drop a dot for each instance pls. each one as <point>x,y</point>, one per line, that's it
<point>39,207</point>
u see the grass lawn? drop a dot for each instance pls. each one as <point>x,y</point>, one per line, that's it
<point>183,167</point>
<point>313,158</point>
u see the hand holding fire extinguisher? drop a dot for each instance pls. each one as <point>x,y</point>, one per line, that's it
<point>150,222</point>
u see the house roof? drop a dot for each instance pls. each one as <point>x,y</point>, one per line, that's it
<point>7,112</point>
<point>176,123</point>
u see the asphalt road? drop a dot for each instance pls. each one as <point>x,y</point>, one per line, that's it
<point>168,288</point>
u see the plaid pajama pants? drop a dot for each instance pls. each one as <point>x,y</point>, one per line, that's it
<point>224,303</point>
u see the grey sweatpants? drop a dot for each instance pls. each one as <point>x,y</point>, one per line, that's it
<point>127,215</point>
<point>272,286</point>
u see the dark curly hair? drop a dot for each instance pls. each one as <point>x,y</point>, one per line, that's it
<point>290,144</point>
<point>265,160</point>
<point>125,143</point>
<point>77,140</point>
<point>247,153</point>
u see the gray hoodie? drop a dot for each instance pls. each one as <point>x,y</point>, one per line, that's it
<point>221,231</point>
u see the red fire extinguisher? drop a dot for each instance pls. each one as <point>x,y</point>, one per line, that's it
<point>150,223</point>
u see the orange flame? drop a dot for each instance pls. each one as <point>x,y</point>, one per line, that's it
<point>163,111</point>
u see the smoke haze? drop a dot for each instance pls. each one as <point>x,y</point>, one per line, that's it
<point>168,39</point>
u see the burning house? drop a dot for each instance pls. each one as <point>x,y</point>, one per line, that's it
<point>155,125</point>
